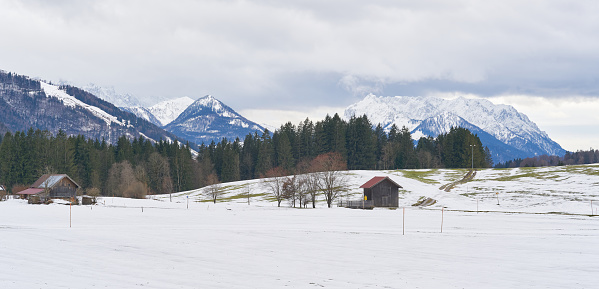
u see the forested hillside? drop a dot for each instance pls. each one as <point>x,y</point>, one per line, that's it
<point>129,168</point>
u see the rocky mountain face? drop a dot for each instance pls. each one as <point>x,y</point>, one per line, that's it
<point>208,119</point>
<point>508,133</point>
<point>27,103</point>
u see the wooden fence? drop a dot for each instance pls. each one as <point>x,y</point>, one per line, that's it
<point>358,204</point>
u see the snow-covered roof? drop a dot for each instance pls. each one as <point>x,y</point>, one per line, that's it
<point>49,181</point>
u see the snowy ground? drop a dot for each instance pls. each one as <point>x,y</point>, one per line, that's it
<point>540,236</point>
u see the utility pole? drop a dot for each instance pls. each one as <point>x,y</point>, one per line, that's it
<point>472,146</point>
<point>248,192</point>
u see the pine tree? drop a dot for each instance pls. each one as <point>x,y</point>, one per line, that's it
<point>361,144</point>
<point>283,151</point>
<point>265,154</point>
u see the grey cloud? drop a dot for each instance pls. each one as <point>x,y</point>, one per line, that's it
<point>296,53</point>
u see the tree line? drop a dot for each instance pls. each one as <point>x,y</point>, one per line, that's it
<point>570,158</point>
<point>135,167</point>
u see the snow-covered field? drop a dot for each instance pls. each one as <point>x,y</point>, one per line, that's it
<point>540,236</point>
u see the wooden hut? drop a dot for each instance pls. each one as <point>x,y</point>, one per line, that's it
<point>3,192</point>
<point>52,186</point>
<point>382,191</point>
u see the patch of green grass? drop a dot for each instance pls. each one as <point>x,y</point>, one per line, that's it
<point>421,176</point>
<point>582,169</point>
<point>519,176</point>
<point>240,196</point>
<point>455,174</point>
<point>469,194</point>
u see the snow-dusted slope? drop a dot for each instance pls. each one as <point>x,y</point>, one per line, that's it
<point>208,119</point>
<point>143,113</point>
<point>168,110</point>
<point>70,101</point>
<point>503,122</point>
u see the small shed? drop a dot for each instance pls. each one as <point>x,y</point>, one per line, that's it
<point>57,186</point>
<point>382,191</point>
<point>34,195</point>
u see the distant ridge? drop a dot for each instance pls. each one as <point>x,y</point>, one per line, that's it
<point>508,133</point>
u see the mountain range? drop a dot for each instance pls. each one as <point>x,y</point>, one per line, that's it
<point>204,120</point>
<point>508,133</point>
<point>26,103</point>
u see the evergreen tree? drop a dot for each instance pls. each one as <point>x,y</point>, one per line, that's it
<point>265,154</point>
<point>361,144</point>
<point>305,139</point>
<point>248,155</point>
<point>283,153</point>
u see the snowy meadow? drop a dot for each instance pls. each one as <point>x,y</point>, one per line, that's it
<point>543,234</point>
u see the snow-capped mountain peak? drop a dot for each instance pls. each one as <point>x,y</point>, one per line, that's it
<point>168,110</point>
<point>215,105</point>
<point>209,119</point>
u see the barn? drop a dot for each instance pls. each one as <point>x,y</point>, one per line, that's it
<point>382,192</point>
<point>52,186</point>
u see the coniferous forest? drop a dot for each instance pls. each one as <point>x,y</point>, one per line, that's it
<point>133,168</point>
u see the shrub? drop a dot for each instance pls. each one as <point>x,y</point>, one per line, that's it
<point>136,190</point>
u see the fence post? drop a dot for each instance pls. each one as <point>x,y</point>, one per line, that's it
<point>442,219</point>
<point>403,226</point>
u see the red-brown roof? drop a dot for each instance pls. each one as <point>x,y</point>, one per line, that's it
<point>374,181</point>
<point>30,191</point>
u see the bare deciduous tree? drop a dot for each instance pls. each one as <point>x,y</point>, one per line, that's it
<point>159,174</point>
<point>123,181</point>
<point>290,191</point>
<point>330,176</point>
<point>275,180</point>
<point>214,188</point>
<point>308,182</point>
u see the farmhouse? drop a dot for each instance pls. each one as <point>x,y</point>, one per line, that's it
<point>382,192</point>
<point>51,186</point>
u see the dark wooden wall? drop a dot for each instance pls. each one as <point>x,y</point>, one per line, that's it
<point>383,194</point>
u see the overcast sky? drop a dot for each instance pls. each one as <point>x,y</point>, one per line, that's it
<point>276,61</point>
